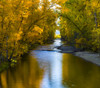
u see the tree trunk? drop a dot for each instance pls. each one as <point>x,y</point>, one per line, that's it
<point>7,48</point>
<point>95,16</point>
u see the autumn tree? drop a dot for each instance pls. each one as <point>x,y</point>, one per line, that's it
<point>24,23</point>
<point>79,20</point>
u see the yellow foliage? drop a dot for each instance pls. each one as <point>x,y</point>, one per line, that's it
<point>57,36</point>
<point>94,3</point>
<point>37,29</point>
<point>60,1</point>
<point>29,3</point>
<point>22,24</point>
<point>18,35</point>
<point>80,43</point>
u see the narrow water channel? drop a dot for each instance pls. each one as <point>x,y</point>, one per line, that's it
<point>51,69</point>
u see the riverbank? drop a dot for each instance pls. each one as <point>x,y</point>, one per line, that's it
<point>89,56</point>
<point>63,48</point>
<point>6,64</point>
<point>86,55</point>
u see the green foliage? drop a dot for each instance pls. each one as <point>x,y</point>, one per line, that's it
<point>80,19</point>
<point>81,43</point>
<point>96,39</point>
<point>4,66</point>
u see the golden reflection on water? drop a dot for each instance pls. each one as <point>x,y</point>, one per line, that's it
<point>27,74</point>
<point>78,73</point>
<point>51,70</point>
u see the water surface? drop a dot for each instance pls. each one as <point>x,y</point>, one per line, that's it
<point>51,69</point>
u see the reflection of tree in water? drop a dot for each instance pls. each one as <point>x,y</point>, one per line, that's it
<point>27,74</point>
<point>78,73</point>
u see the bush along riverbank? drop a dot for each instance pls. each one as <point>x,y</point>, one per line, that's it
<point>5,64</point>
<point>11,61</point>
